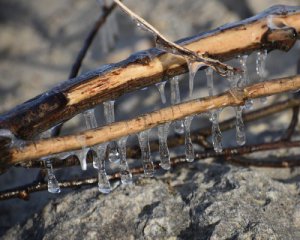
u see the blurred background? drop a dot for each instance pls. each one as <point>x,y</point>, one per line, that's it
<point>39,40</point>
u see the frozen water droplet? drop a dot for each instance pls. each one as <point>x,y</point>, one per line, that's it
<point>193,69</point>
<point>210,81</point>
<point>82,154</point>
<point>146,154</point>
<point>163,131</point>
<point>53,186</point>
<point>189,150</point>
<point>161,88</point>
<point>109,114</point>
<point>216,132</point>
<point>245,80</point>
<point>240,127</point>
<point>103,182</point>
<point>261,71</point>
<point>175,99</point>
<point>126,176</point>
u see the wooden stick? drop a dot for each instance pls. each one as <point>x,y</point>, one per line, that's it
<point>146,68</point>
<point>40,148</point>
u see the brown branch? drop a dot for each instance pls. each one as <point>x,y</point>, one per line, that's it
<point>146,68</point>
<point>23,192</point>
<point>45,147</point>
<point>197,137</point>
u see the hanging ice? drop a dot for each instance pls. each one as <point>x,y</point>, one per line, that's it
<point>216,132</point>
<point>163,131</point>
<point>161,88</point>
<point>103,182</point>
<point>261,71</point>
<point>82,154</point>
<point>91,123</point>
<point>146,154</point>
<point>53,186</point>
<point>175,98</point>
<point>193,69</point>
<point>245,80</point>
<point>189,150</point>
<point>126,176</point>
<point>210,81</point>
<point>109,114</point>
<point>239,125</point>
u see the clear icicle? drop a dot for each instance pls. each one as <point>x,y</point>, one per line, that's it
<point>189,150</point>
<point>146,154</point>
<point>103,182</point>
<point>109,114</point>
<point>82,154</point>
<point>193,69</point>
<point>210,81</point>
<point>175,98</point>
<point>261,71</point>
<point>91,123</point>
<point>53,186</point>
<point>126,176</point>
<point>161,88</point>
<point>163,131</point>
<point>240,127</point>
<point>216,132</point>
<point>245,80</point>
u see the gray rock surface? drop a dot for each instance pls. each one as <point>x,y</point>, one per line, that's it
<point>204,201</point>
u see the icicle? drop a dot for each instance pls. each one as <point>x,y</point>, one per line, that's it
<point>239,125</point>
<point>103,182</point>
<point>175,98</point>
<point>193,69</point>
<point>210,81</point>
<point>109,114</point>
<point>163,131</point>
<point>146,154</point>
<point>189,150</point>
<point>216,132</point>
<point>82,154</point>
<point>126,176</point>
<point>245,80</point>
<point>53,186</point>
<point>261,68</point>
<point>161,88</point>
<point>91,122</point>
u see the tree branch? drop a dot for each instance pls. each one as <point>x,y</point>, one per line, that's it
<point>146,68</point>
<point>233,97</point>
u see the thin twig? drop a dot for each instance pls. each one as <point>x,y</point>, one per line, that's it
<point>228,154</point>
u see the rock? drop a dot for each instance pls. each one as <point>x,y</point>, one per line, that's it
<point>202,202</point>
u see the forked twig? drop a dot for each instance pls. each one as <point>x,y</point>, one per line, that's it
<point>175,48</point>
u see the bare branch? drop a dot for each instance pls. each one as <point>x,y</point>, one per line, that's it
<point>40,148</point>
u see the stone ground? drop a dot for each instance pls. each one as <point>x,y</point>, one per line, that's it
<point>40,39</point>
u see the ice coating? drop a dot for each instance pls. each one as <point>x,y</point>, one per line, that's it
<point>210,81</point>
<point>109,114</point>
<point>164,154</point>
<point>146,154</point>
<point>175,98</point>
<point>82,154</point>
<point>189,150</point>
<point>161,88</point>
<point>53,186</point>
<point>126,176</point>
<point>261,71</point>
